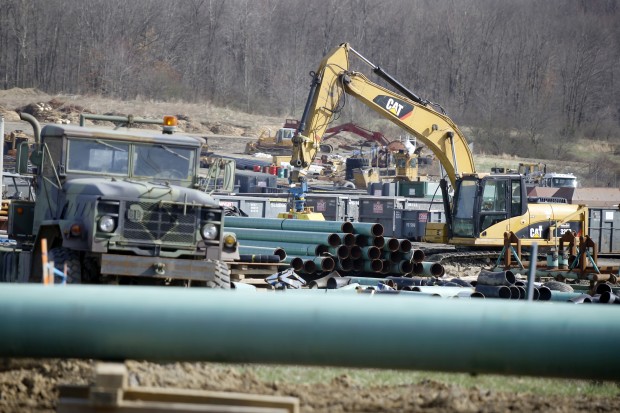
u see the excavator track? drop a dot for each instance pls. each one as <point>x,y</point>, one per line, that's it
<point>447,254</point>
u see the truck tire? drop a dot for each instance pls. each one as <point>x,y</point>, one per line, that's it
<point>221,276</point>
<point>91,271</point>
<point>60,256</point>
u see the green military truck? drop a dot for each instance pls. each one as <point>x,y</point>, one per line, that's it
<point>118,207</point>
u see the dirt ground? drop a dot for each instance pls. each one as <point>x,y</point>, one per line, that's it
<point>31,385</point>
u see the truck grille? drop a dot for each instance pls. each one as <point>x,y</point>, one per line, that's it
<point>160,222</point>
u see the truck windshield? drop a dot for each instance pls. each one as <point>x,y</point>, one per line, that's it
<point>98,156</point>
<point>160,161</point>
<point>561,182</point>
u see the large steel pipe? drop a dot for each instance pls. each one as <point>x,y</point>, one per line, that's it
<point>495,291</point>
<point>496,278</point>
<point>367,228</point>
<point>428,269</point>
<point>371,253</point>
<point>262,251</point>
<point>124,322</point>
<point>391,244</point>
<point>288,224</point>
<point>331,239</point>
<point>291,248</point>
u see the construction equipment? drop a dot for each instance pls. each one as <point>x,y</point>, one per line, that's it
<point>483,207</point>
<point>118,207</point>
<point>280,143</point>
<point>557,180</point>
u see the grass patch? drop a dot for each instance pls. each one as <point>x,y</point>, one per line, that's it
<point>376,377</point>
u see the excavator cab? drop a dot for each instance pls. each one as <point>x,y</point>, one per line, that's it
<point>482,202</point>
<point>284,134</point>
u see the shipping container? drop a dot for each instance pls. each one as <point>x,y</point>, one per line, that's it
<point>258,207</point>
<point>411,224</point>
<point>604,229</point>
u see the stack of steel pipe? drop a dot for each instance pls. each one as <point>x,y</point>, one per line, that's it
<point>315,247</point>
<point>504,285</point>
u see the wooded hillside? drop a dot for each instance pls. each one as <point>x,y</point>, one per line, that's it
<point>528,77</point>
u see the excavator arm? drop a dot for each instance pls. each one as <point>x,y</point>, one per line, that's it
<point>333,82</point>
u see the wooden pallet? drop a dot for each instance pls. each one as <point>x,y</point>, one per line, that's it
<point>253,272</point>
<point>110,393</point>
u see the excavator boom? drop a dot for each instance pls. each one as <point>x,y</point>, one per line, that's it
<point>333,81</point>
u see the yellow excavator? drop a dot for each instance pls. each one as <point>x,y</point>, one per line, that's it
<point>480,208</point>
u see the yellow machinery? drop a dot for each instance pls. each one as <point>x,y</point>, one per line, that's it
<point>279,143</point>
<point>484,207</point>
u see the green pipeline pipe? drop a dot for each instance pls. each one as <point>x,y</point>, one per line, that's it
<point>391,244</point>
<point>289,224</point>
<point>346,239</point>
<point>340,252</point>
<point>401,267</point>
<point>372,265</point>
<point>405,245</point>
<point>371,253</point>
<point>368,228</point>
<point>198,324</point>
<point>324,238</point>
<point>428,269</point>
<point>378,242</point>
<point>345,264</point>
<point>262,251</point>
<point>564,295</point>
<point>291,248</point>
<point>313,264</point>
<point>296,263</point>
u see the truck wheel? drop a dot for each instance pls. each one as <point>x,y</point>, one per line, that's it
<point>91,271</point>
<point>221,276</point>
<point>60,256</point>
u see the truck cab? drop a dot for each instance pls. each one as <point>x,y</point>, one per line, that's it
<point>122,206</point>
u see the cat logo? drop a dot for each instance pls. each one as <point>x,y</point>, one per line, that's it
<point>396,107</point>
<point>536,232</point>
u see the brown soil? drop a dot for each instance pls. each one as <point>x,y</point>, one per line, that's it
<point>31,386</point>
